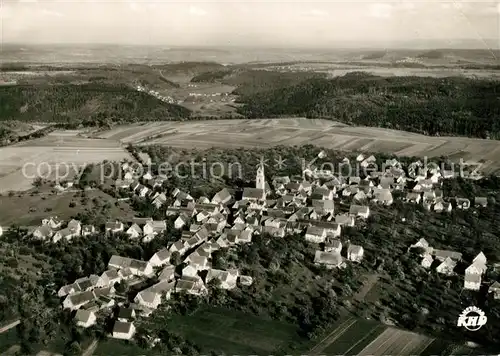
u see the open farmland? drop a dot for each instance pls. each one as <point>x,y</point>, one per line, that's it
<point>298,131</point>
<point>397,342</point>
<point>58,155</point>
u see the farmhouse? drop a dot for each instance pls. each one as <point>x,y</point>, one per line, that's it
<point>359,210</point>
<point>315,234</point>
<point>446,267</point>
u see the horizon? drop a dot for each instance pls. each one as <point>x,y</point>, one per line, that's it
<point>252,23</point>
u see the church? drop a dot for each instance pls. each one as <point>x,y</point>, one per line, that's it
<point>261,187</point>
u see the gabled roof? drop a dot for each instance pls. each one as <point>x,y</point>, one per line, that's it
<point>355,249</point>
<point>329,258</point>
<point>121,327</point>
<point>83,315</point>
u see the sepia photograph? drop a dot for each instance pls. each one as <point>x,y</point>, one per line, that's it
<point>249,177</point>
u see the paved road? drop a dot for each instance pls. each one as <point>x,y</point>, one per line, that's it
<point>10,326</point>
<point>334,335</point>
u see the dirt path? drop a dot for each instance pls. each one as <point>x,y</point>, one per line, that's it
<point>90,350</point>
<point>334,335</point>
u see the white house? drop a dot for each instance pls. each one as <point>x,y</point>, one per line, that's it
<point>333,246</point>
<point>123,330</point>
<point>154,227</point>
<point>446,267</point>
<point>472,281</point>
<point>427,260</point>
<point>315,234</point>
<point>160,258</point>
<point>227,279</point>
<point>181,221</point>
<point>359,210</point>
<point>85,318</point>
<point>328,259</point>
<point>148,299</point>
<point>134,231</point>
<point>355,253</point>
<point>114,227</point>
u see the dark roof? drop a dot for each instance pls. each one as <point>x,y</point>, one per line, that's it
<point>121,327</point>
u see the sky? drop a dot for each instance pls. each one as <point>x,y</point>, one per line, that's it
<point>252,22</point>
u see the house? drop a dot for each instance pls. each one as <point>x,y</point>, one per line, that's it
<point>495,289</point>
<point>124,331</point>
<point>222,197</point>
<point>322,193</point>
<point>160,258</point>
<point>181,221</point>
<point>190,286</point>
<point>167,273</point>
<point>114,227</point>
<point>75,301</point>
<point>480,202</point>
<point>328,259</point>
<point>126,315</point>
<point>442,206</point>
<point>382,196</point>
<point>344,219</point>
<point>315,234</point>
<point>254,194</point>
<point>88,230</point>
<point>446,267</point>
<point>359,210</point>
<point>75,227</point>
<point>333,245</point>
<point>53,222</point>
<point>355,253</point>
<point>43,232</point>
<point>159,200</point>
<point>154,227</point>
<point>178,246</point>
<point>427,260</point>
<point>413,197</point>
<point>85,318</point>
<point>325,206</point>
<point>245,280</point>
<point>227,279</point>
<point>360,196</point>
<point>134,231</point>
<point>472,281</point>
<point>111,277</point>
<point>462,203</point>
<point>422,243</point>
<point>66,234</point>
<point>148,299</point>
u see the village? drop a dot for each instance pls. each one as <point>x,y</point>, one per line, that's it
<point>313,206</point>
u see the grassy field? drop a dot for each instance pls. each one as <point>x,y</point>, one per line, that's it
<point>235,333</point>
<point>116,347</point>
<point>25,209</point>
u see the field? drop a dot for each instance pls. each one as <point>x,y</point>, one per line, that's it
<point>328,134</point>
<point>62,152</point>
<point>28,210</point>
<point>397,342</point>
<point>233,333</point>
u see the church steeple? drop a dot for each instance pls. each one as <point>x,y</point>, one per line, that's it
<point>260,180</point>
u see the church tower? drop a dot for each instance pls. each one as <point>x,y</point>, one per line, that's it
<point>260,180</point>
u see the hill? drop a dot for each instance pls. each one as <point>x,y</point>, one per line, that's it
<point>90,103</point>
<point>433,106</point>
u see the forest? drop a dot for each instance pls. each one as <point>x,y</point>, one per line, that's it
<point>86,104</point>
<point>431,106</point>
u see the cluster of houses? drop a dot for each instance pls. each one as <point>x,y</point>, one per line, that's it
<point>157,95</point>
<point>306,205</point>
<point>446,261</point>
